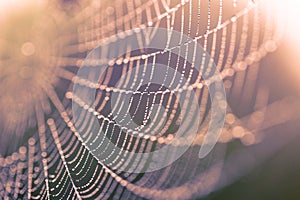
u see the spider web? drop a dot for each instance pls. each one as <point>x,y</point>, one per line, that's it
<point>57,164</point>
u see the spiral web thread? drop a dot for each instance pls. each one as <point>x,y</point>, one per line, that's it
<point>57,164</point>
